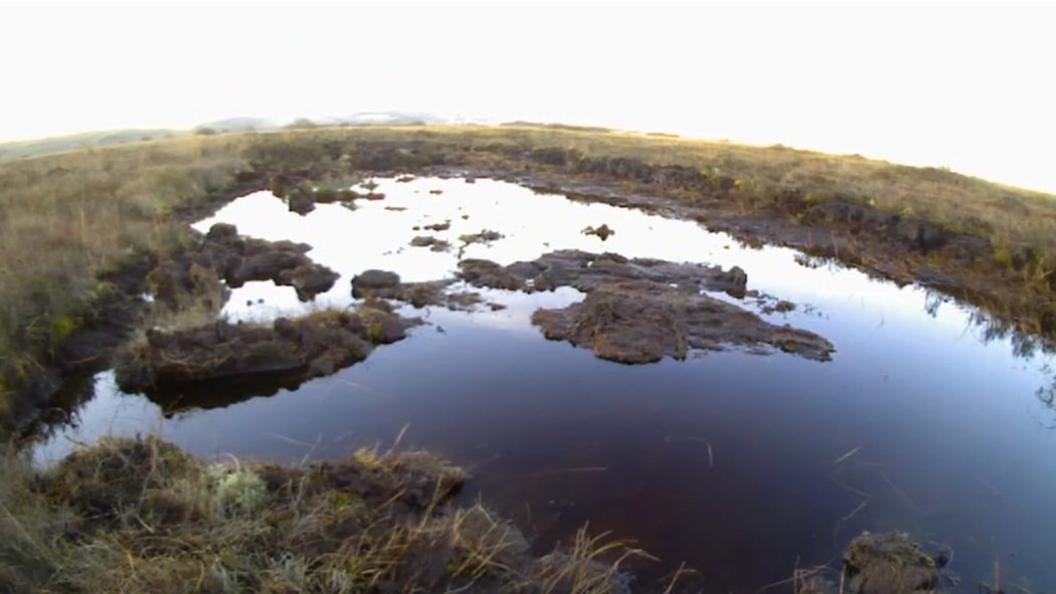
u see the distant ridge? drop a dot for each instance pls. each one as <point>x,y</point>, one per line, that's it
<point>238,124</point>
<point>381,118</point>
<point>21,149</point>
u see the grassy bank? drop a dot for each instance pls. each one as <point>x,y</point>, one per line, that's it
<point>65,218</point>
<point>143,516</point>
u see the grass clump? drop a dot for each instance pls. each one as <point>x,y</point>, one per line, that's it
<point>141,515</point>
<point>67,219</point>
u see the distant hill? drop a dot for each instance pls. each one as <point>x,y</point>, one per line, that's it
<point>21,149</point>
<point>239,124</point>
<point>360,118</point>
<point>386,118</point>
<point>10,151</point>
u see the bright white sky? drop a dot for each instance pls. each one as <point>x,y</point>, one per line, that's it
<point>968,87</point>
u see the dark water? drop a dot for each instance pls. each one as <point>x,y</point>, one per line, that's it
<point>743,466</point>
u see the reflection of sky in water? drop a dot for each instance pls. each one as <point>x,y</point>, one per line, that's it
<point>374,236</point>
<point>725,460</point>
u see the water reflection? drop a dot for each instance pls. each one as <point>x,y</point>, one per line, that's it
<point>743,466</point>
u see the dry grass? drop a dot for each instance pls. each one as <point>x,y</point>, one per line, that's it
<point>66,217</point>
<point>1010,216</point>
<point>142,516</point>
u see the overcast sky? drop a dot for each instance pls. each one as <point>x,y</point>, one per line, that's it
<point>968,87</point>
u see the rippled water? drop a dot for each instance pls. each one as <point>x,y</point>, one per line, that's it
<point>743,466</point>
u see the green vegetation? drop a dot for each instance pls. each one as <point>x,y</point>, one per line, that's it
<point>66,218</point>
<point>143,516</point>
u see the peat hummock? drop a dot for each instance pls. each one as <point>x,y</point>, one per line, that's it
<point>585,272</point>
<point>641,310</point>
<point>384,284</point>
<point>312,346</point>
<point>241,259</point>
<point>892,563</point>
<point>885,563</point>
<point>644,321</point>
<point>192,277</point>
<point>139,514</point>
<point>437,245</point>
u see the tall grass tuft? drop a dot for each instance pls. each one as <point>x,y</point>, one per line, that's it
<point>64,219</point>
<point>140,515</point>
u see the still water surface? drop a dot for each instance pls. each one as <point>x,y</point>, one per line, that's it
<point>735,463</point>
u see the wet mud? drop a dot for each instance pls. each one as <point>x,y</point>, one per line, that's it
<point>643,321</point>
<point>642,310</point>
<point>383,284</point>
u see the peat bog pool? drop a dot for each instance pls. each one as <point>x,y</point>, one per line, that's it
<point>743,465</point>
